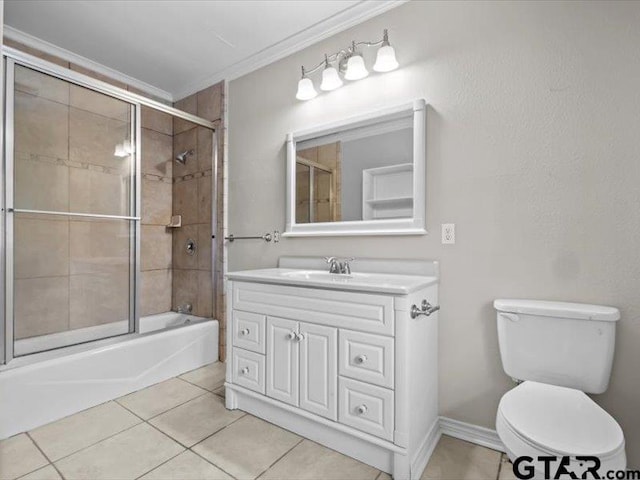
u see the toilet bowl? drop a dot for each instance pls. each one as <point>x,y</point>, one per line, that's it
<point>560,352</point>
<point>536,419</point>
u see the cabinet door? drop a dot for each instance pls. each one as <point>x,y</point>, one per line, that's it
<point>318,369</point>
<point>282,360</point>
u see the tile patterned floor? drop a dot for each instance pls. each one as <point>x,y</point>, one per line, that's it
<point>180,430</point>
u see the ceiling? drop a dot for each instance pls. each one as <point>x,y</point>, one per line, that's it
<point>181,46</point>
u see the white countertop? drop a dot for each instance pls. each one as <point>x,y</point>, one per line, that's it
<point>361,282</point>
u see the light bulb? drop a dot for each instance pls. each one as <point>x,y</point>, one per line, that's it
<point>305,89</point>
<point>330,79</point>
<point>355,68</point>
<point>386,59</point>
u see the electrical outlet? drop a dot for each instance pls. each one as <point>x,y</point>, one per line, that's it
<point>448,233</point>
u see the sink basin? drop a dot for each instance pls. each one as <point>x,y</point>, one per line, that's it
<point>326,276</point>
<point>356,281</point>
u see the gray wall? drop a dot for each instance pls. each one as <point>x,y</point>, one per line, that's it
<point>382,150</point>
<point>533,151</point>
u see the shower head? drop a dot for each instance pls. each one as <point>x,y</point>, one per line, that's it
<point>182,157</point>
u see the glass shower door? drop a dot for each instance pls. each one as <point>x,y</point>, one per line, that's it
<point>71,222</point>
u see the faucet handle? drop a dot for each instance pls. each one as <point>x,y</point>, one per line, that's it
<point>329,259</point>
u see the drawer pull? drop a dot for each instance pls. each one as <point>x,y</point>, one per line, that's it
<point>244,370</point>
<point>360,359</point>
<point>361,409</point>
<point>244,331</point>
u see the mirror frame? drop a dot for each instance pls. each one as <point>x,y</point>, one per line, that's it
<point>415,225</point>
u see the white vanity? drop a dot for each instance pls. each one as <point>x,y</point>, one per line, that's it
<point>340,359</point>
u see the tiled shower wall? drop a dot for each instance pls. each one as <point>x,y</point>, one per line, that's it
<point>168,278</point>
<point>192,190</point>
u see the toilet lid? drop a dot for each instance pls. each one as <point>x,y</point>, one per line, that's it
<point>561,419</point>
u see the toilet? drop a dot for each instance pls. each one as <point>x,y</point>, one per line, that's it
<point>559,352</point>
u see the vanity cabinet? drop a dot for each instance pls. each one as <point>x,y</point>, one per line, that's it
<point>349,369</point>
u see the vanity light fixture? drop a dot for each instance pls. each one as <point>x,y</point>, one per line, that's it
<point>306,91</point>
<point>348,62</point>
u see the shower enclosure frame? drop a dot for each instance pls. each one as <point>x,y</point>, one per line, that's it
<point>12,57</point>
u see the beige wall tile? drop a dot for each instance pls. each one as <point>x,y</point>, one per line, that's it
<point>157,121</point>
<point>204,246</point>
<point>204,306</point>
<point>93,191</point>
<point>180,257</point>
<point>156,247</point>
<point>41,247</point>
<point>98,299</point>
<point>41,85</point>
<point>156,202</point>
<point>182,142</point>
<point>18,456</point>
<point>204,199</point>
<point>95,102</point>
<point>185,201</point>
<point>157,153</point>
<point>41,306</point>
<point>190,105</point>
<point>41,126</point>
<point>210,102</point>
<point>155,296</point>
<point>205,149</point>
<point>96,75</point>
<point>99,246</point>
<point>93,139</point>
<point>35,52</point>
<point>185,287</point>
<point>41,185</point>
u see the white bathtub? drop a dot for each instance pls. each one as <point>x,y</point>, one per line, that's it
<point>40,388</point>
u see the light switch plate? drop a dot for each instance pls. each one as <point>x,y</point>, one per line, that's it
<point>448,233</point>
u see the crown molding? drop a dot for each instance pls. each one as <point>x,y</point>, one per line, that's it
<point>337,23</point>
<point>46,47</point>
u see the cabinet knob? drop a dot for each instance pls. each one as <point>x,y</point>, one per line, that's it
<point>360,359</point>
<point>361,409</point>
<point>291,335</point>
<point>299,337</point>
<point>244,331</point>
<point>244,370</point>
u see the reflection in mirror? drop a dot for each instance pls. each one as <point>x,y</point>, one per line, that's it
<point>359,173</point>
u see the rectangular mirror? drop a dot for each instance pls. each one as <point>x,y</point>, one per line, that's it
<point>362,176</point>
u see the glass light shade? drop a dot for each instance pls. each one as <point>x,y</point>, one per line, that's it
<point>386,59</point>
<point>355,68</point>
<point>305,89</point>
<point>330,79</point>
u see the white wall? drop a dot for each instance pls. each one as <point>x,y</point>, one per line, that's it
<point>533,151</point>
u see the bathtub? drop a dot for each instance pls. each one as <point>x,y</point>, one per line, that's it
<point>40,388</point>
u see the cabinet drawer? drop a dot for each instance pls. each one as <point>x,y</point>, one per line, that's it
<point>248,331</point>
<point>248,370</point>
<point>366,357</point>
<point>366,408</point>
<point>358,311</point>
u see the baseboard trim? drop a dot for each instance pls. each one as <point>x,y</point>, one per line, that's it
<point>471,433</point>
<point>419,462</point>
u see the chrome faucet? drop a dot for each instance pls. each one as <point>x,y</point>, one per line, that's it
<point>339,266</point>
<point>186,308</point>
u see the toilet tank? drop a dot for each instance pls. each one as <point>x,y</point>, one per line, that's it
<point>559,343</point>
